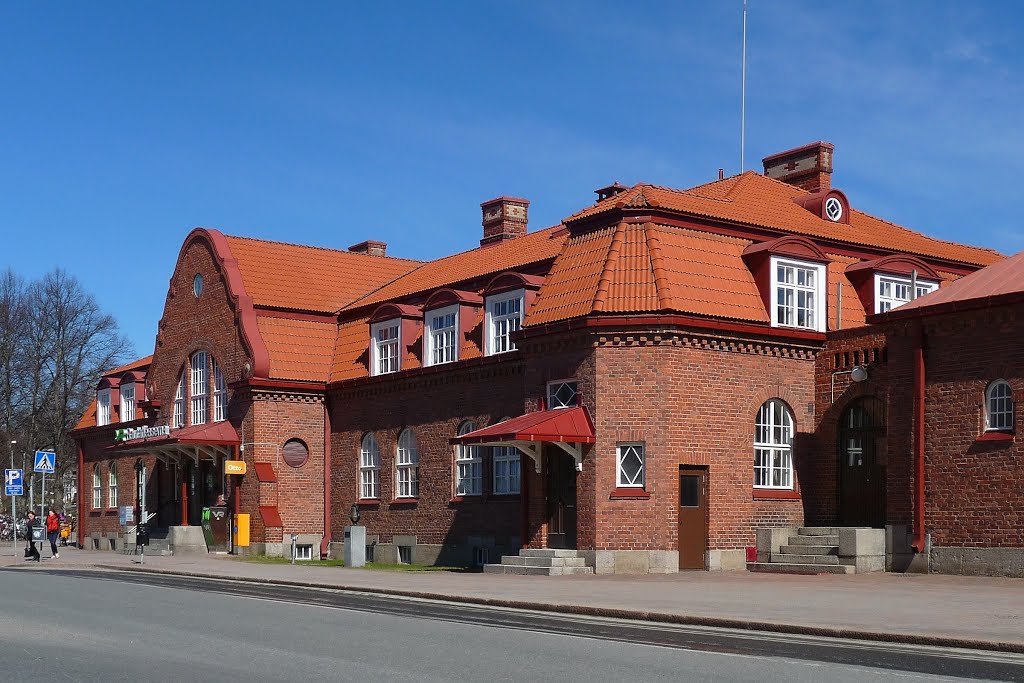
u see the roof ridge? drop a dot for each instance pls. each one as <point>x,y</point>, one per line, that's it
<point>319,248</point>
<point>611,258</point>
<point>661,282</point>
<point>921,234</point>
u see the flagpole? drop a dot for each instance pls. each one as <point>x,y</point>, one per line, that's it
<point>743,89</point>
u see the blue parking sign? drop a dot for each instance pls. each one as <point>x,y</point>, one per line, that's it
<point>13,483</point>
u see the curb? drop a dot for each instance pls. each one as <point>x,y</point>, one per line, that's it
<point>616,613</point>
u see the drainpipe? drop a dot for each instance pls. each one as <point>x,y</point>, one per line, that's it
<point>918,356</point>
<point>81,495</point>
<point>325,544</point>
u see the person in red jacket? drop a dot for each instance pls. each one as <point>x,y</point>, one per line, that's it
<point>52,530</point>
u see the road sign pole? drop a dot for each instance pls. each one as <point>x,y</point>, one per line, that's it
<point>14,516</point>
<point>42,503</point>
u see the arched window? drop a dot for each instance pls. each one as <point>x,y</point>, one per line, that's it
<point>97,488</point>
<point>505,469</point>
<point>469,475</point>
<point>200,388</point>
<point>178,419</point>
<point>369,468</point>
<point>220,394</point>
<point>773,446</point>
<point>112,486</point>
<point>999,406</point>
<point>407,465</point>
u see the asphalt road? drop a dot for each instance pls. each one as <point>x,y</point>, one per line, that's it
<point>86,625</point>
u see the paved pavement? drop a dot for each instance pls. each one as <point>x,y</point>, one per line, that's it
<point>930,609</point>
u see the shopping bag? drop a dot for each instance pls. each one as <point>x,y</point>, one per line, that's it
<point>28,551</point>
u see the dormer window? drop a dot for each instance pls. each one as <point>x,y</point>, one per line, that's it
<point>799,299</point>
<point>442,336</point>
<point>386,341</point>
<point>892,291</point>
<point>127,401</point>
<point>504,316</point>
<point>103,407</point>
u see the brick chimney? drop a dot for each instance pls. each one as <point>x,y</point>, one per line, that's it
<point>808,167</point>
<point>371,247</point>
<point>505,218</point>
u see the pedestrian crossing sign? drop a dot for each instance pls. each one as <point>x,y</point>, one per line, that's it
<point>44,461</point>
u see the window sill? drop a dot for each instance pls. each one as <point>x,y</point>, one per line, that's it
<point>629,494</point>
<point>368,501</point>
<point>476,497</point>
<point>776,494</point>
<point>504,497</point>
<point>405,501</point>
<point>996,435</point>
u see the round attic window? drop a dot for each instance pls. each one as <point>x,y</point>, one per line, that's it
<point>833,209</point>
<point>295,453</point>
<point>197,285</point>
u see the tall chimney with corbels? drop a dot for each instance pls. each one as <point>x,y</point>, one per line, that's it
<point>808,167</point>
<point>504,218</point>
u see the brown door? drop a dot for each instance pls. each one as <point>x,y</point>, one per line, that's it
<point>693,517</point>
<point>561,482</point>
<point>862,464</point>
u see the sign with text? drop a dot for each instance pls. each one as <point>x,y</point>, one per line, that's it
<point>234,467</point>
<point>127,515</point>
<point>14,483</point>
<point>133,433</point>
<point>45,461</point>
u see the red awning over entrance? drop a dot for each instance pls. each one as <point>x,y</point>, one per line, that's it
<point>213,440</point>
<point>566,425</point>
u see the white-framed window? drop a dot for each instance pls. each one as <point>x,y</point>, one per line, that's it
<point>386,342</point>
<point>442,335</point>
<point>178,418</point>
<point>127,401</point>
<point>563,394</point>
<point>773,446</point>
<point>407,465</point>
<point>103,407</point>
<point>999,406</point>
<point>505,461</point>
<point>220,394</point>
<point>504,316</point>
<point>369,467</point>
<point>304,552</point>
<point>97,488</point>
<point>631,458</point>
<point>469,467</point>
<point>892,291</point>
<point>200,388</point>
<point>112,486</point>
<point>799,294</point>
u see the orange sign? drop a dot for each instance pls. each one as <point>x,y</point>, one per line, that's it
<point>234,467</point>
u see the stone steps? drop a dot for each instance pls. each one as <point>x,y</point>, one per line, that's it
<point>529,561</point>
<point>830,540</point>
<point>810,549</point>
<point>798,568</point>
<point>789,558</point>
<point>535,571</point>
<point>541,562</point>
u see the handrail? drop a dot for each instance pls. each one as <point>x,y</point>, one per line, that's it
<point>135,528</point>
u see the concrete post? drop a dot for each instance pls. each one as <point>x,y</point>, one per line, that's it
<point>355,546</point>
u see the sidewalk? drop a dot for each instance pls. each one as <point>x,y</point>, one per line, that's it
<point>929,609</point>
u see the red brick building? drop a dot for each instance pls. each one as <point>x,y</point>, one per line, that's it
<point>641,383</point>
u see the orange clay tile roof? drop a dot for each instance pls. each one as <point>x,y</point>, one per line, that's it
<point>300,278</point>
<point>852,309</point>
<point>351,350</point>
<point>299,350</point>
<point>761,201</point>
<point>134,365</point>
<point>531,248</point>
<point>569,288</point>
<point>88,418</point>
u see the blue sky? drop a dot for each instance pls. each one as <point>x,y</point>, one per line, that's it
<point>125,124</point>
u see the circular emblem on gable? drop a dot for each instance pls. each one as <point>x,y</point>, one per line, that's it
<point>833,209</point>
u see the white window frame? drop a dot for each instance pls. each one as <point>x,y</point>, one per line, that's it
<point>220,394</point>
<point>304,552</point>
<point>103,407</point>
<point>127,401</point>
<point>178,416</point>
<point>469,466</point>
<point>552,389</point>
<point>887,290</point>
<point>500,326</point>
<point>112,486</point>
<point>506,475</point>
<point>369,468</point>
<point>818,291</point>
<point>773,447</point>
<point>97,488</point>
<point>448,353</point>
<point>200,387</point>
<point>407,465</point>
<point>623,451</point>
<point>385,355</point>
<point>999,408</point>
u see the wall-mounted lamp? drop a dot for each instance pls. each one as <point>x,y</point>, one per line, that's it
<point>858,373</point>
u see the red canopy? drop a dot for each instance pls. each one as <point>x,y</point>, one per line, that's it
<point>565,425</point>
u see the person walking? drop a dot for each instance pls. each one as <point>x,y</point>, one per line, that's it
<point>52,531</point>
<point>30,525</point>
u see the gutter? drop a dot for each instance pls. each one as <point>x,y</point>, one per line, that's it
<point>919,445</point>
<point>325,544</point>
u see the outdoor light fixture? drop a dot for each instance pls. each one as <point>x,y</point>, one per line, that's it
<point>858,373</point>
<point>353,514</point>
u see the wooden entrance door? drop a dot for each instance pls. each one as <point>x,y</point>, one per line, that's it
<point>693,517</point>
<point>561,499</point>
<point>862,464</point>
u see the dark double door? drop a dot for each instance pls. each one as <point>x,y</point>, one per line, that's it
<point>862,454</point>
<point>561,499</point>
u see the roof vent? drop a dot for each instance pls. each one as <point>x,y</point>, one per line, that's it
<point>371,247</point>
<point>808,167</point>
<point>610,191</point>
